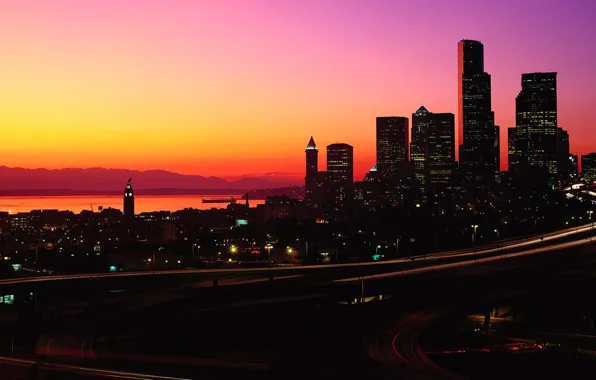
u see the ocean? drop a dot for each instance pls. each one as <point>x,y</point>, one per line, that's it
<point>143,203</point>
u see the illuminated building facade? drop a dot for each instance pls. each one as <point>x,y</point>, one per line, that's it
<point>511,148</point>
<point>536,126</point>
<point>433,149</point>
<point>441,152</point>
<point>478,136</point>
<point>340,176</point>
<point>392,146</point>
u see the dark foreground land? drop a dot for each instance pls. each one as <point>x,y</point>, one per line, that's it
<point>306,328</point>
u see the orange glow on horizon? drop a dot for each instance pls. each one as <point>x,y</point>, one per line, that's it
<point>227,88</point>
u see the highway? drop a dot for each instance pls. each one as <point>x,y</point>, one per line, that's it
<point>480,251</point>
<point>472,261</point>
<point>14,368</point>
<point>396,348</point>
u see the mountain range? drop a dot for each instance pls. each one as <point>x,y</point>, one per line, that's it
<point>101,179</point>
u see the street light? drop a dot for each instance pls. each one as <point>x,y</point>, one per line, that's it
<point>268,247</point>
<point>290,250</point>
<point>591,223</point>
<point>474,227</point>
<point>498,238</point>
<point>233,249</point>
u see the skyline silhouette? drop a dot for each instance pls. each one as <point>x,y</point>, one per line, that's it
<point>158,87</point>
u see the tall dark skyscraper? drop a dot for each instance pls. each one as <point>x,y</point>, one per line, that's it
<point>536,129</point>
<point>129,201</point>
<point>312,169</point>
<point>511,149</point>
<point>478,137</point>
<point>441,154</point>
<point>392,146</point>
<point>433,148</point>
<point>564,164</point>
<point>340,176</point>
<point>419,148</point>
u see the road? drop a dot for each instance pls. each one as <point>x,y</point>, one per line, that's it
<point>475,260</point>
<point>396,348</point>
<point>20,369</point>
<point>469,252</point>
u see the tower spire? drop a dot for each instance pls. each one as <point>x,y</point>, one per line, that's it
<point>311,144</point>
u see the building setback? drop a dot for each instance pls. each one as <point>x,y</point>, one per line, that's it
<point>433,149</point>
<point>478,137</point>
<point>536,126</point>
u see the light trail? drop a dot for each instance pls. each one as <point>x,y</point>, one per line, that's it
<point>467,262</point>
<point>86,370</point>
<point>435,256</point>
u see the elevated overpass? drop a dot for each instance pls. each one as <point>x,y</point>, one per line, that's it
<point>578,235</point>
<point>436,266</point>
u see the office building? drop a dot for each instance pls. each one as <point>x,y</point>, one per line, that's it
<point>564,164</point>
<point>419,148</point>
<point>511,146</point>
<point>432,149</point>
<point>536,130</point>
<point>574,162</point>
<point>441,153</point>
<point>392,147</point>
<point>340,176</point>
<point>478,137</point>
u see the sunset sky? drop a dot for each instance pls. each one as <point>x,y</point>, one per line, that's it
<point>223,87</point>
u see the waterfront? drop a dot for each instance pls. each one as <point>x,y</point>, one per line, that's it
<point>143,203</point>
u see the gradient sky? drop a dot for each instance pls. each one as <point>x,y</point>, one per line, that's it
<point>227,87</point>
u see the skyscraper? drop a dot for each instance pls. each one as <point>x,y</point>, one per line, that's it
<point>511,149</point>
<point>536,129</point>
<point>441,151</point>
<point>312,168</point>
<point>419,146</point>
<point>392,146</point>
<point>564,165</point>
<point>478,137</point>
<point>129,201</point>
<point>433,148</point>
<point>340,176</point>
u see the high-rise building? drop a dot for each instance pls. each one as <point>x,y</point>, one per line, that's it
<point>433,149</point>
<point>441,152</point>
<point>536,129</point>
<point>367,192</point>
<point>312,168</point>
<point>129,201</point>
<point>574,162</point>
<point>419,147</point>
<point>511,146</point>
<point>564,165</point>
<point>392,147</point>
<point>589,167</point>
<point>340,176</point>
<point>478,137</point>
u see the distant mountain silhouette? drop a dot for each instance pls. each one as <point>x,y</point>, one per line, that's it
<point>100,179</point>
